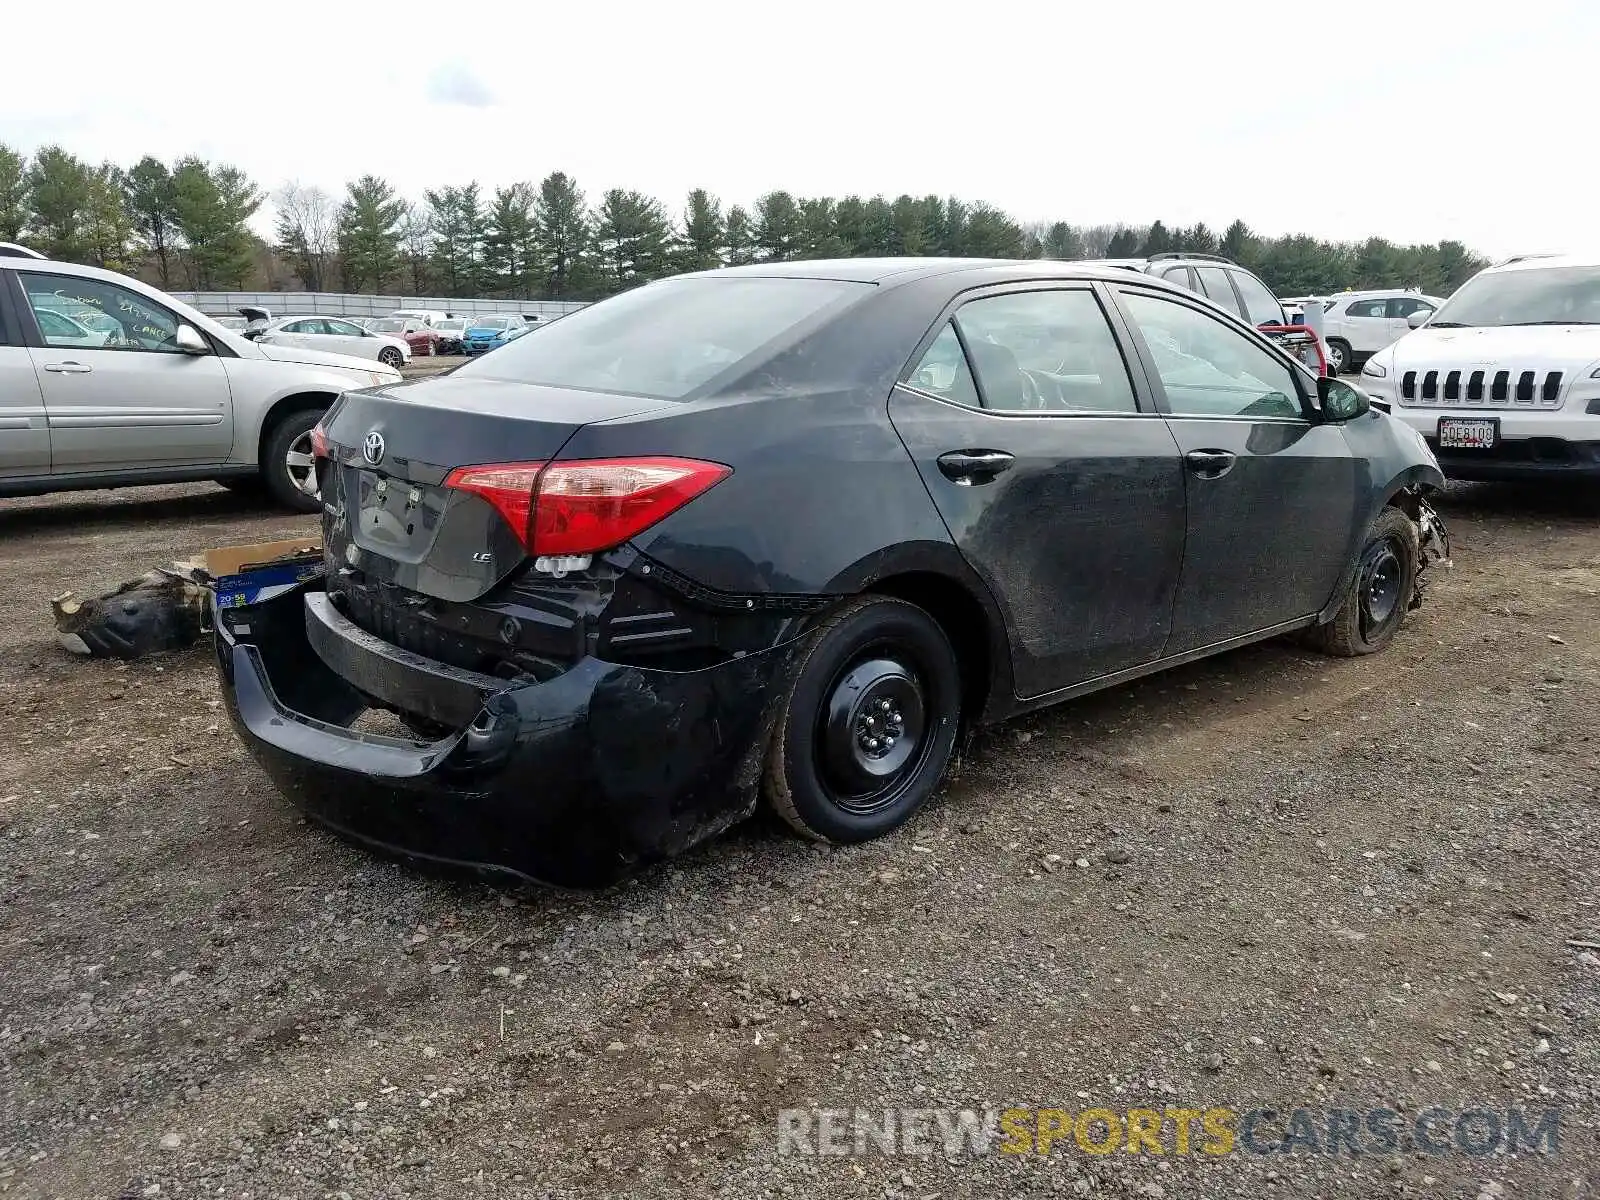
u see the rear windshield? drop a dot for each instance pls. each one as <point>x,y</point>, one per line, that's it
<point>666,339</point>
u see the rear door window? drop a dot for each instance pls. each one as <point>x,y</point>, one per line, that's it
<point>1045,351</point>
<point>665,340</point>
<point>1261,307</point>
<point>1219,290</point>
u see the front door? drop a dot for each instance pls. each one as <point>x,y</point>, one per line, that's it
<point>1269,491</point>
<point>131,400</point>
<point>1063,495</point>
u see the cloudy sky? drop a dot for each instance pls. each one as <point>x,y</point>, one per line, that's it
<point>1412,119</point>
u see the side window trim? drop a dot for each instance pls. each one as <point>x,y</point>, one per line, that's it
<point>1145,398</point>
<point>10,327</point>
<point>1158,389</point>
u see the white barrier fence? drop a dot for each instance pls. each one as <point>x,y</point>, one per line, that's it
<point>344,304</point>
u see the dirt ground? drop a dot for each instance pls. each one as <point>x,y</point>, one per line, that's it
<point>1271,879</point>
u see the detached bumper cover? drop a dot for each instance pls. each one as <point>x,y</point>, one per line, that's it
<point>574,781</point>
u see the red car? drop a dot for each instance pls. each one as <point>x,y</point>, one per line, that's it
<point>418,336</point>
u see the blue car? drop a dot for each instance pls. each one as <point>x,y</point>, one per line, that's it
<point>485,333</point>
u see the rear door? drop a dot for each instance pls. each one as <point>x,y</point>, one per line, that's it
<point>1062,491</point>
<point>1365,325</point>
<point>24,432</point>
<point>135,401</point>
<point>345,338</point>
<point>1269,492</point>
<point>1398,311</point>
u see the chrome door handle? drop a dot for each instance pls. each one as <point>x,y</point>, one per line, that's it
<point>68,368</point>
<point>1210,464</point>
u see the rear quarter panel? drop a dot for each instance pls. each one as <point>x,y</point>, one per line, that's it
<point>822,487</point>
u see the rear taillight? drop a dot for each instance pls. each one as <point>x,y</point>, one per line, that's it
<point>564,509</point>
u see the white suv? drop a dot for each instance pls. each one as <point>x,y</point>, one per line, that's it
<point>165,394</point>
<point>1356,325</point>
<point>1503,380</point>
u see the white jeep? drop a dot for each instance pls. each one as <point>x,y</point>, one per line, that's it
<point>1503,380</point>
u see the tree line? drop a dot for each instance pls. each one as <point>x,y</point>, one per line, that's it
<point>187,225</point>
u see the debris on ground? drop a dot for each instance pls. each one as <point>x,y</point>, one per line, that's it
<point>159,611</point>
<point>164,609</point>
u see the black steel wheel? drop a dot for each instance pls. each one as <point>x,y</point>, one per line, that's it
<point>1379,591</point>
<point>867,724</point>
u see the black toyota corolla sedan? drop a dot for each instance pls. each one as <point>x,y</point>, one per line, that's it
<point>786,531</point>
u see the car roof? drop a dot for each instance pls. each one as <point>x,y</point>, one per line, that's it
<point>1536,262</point>
<point>889,272</point>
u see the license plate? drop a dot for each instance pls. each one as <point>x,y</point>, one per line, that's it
<point>1468,433</point>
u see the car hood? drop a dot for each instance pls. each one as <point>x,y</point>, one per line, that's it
<point>315,358</point>
<point>1553,347</point>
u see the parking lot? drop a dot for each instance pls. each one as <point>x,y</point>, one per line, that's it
<point>1270,877</point>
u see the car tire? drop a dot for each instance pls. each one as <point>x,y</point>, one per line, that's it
<point>292,434</point>
<point>867,724</point>
<point>1379,592</point>
<point>1339,356</point>
<point>390,357</point>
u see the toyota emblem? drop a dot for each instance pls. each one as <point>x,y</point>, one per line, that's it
<point>372,447</point>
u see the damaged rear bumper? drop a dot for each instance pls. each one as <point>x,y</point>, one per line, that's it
<point>573,781</point>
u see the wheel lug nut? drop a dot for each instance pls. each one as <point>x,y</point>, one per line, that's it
<point>872,743</point>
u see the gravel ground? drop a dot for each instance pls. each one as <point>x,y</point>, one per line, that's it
<point>1272,878</point>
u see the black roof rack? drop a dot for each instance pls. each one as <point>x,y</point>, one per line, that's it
<point>1190,254</point>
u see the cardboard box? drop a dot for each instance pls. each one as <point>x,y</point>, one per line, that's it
<point>244,575</point>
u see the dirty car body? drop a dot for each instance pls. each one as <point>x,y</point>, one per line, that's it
<point>1039,459</point>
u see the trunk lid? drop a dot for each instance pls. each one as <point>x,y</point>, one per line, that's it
<point>389,515</point>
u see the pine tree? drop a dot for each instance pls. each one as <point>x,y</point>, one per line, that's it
<point>1156,241</point>
<point>561,229</point>
<point>58,200</point>
<point>510,249</point>
<point>739,237</point>
<point>1124,243</point>
<point>369,233</point>
<point>415,238</point>
<point>1063,242</point>
<point>455,214</point>
<point>148,188</point>
<point>211,206</point>
<point>13,194</point>
<point>631,237</point>
<point>1238,244</point>
<point>819,230</point>
<point>777,227</point>
<point>704,233</point>
<point>108,227</point>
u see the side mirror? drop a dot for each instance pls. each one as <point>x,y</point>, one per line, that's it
<point>1419,318</point>
<point>1339,401</point>
<point>189,341</point>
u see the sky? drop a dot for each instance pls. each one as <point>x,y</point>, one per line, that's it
<point>1413,120</point>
